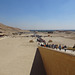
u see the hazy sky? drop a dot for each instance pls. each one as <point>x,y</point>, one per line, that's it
<point>38,14</point>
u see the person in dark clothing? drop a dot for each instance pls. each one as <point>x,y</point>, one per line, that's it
<point>54,46</point>
<point>65,47</point>
<point>74,46</point>
<point>47,45</point>
<point>50,45</point>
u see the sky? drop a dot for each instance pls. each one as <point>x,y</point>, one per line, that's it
<point>38,14</point>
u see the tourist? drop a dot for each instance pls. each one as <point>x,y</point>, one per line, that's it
<point>53,46</point>
<point>60,47</point>
<point>74,46</point>
<point>47,45</point>
<point>65,47</point>
<point>56,46</point>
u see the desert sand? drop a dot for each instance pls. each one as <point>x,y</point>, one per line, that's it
<point>17,53</point>
<point>60,38</point>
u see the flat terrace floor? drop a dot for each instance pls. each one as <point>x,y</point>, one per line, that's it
<point>16,55</point>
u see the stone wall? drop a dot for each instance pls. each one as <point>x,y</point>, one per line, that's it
<point>57,63</point>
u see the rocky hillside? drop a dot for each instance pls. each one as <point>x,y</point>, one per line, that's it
<point>9,30</point>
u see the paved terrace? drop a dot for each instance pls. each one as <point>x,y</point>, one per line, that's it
<point>16,56</point>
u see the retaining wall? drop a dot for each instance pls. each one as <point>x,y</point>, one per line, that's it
<point>57,63</point>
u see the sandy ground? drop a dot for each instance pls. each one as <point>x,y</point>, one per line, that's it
<point>16,55</point>
<point>60,38</point>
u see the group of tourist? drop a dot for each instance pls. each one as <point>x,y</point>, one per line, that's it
<point>54,46</point>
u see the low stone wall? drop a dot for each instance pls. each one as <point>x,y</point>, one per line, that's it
<point>57,63</point>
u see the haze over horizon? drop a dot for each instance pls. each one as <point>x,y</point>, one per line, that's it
<point>38,14</point>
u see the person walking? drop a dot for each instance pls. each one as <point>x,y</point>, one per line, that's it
<point>65,47</point>
<point>60,47</point>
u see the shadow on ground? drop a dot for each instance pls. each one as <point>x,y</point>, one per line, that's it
<point>38,67</point>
